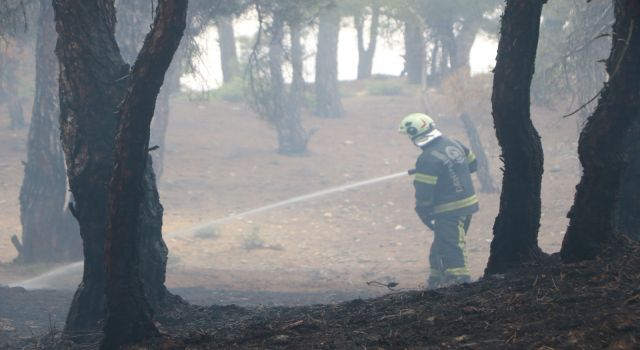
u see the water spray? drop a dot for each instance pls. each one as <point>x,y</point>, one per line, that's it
<point>290,201</point>
<point>54,278</point>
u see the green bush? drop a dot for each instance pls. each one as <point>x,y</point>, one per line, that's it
<point>207,232</point>
<point>385,88</point>
<point>232,91</point>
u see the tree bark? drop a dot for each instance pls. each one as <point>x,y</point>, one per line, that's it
<point>366,53</point>
<point>228,51</point>
<point>129,317</point>
<point>292,139</point>
<point>49,233</point>
<point>93,80</point>
<point>484,172</point>
<point>414,51</point>
<point>627,220</point>
<point>515,232</point>
<point>604,140</point>
<point>327,89</point>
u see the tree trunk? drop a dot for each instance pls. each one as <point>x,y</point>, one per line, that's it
<point>414,51</point>
<point>292,138</point>
<point>366,54</point>
<point>515,232</point>
<point>627,220</point>
<point>49,233</point>
<point>484,172</point>
<point>327,89</point>
<point>228,52</point>
<point>128,312</point>
<point>450,51</point>
<point>93,82</point>
<point>604,140</point>
<point>296,94</point>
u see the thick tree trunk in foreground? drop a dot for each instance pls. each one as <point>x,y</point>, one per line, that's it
<point>292,139</point>
<point>228,52</point>
<point>366,53</point>
<point>327,89</point>
<point>604,140</point>
<point>93,80</point>
<point>627,220</point>
<point>484,172</point>
<point>414,51</point>
<point>128,314</point>
<point>49,232</point>
<point>515,232</point>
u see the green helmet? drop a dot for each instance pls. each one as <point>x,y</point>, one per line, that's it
<point>420,128</point>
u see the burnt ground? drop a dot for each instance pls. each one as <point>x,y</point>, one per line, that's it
<point>31,313</point>
<point>547,305</point>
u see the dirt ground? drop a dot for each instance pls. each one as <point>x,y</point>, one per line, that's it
<point>221,159</point>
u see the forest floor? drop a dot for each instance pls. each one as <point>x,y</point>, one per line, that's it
<point>547,305</point>
<point>221,159</point>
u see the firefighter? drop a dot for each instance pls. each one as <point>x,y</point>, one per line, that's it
<point>445,197</point>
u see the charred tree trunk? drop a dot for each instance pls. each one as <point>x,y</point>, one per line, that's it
<point>292,139</point>
<point>128,312</point>
<point>366,53</point>
<point>49,232</point>
<point>414,51</point>
<point>627,220</point>
<point>484,172</point>
<point>228,51</point>
<point>93,82</point>
<point>327,89</point>
<point>603,141</point>
<point>515,232</point>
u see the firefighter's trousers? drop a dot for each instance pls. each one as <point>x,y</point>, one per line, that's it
<point>448,256</point>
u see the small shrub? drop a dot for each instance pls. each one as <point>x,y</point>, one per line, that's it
<point>207,232</point>
<point>254,241</point>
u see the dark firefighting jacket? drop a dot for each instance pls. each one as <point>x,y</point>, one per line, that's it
<point>443,179</point>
